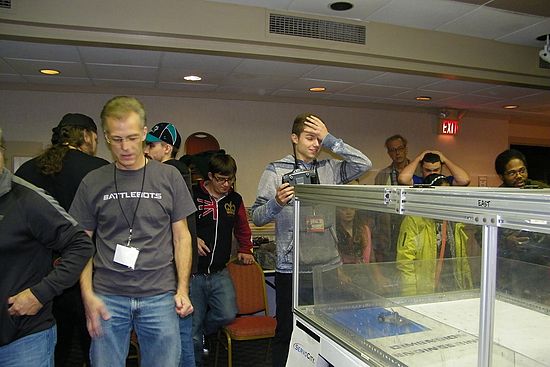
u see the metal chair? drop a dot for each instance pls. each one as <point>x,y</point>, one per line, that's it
<point>253,320</point>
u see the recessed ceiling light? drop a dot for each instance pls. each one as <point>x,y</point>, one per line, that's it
<point>317,89</point>
<point>50,71</point>
<point>423,98</point>
<point>192,78</point>
<point>510,106</point>
<point>341,6</point>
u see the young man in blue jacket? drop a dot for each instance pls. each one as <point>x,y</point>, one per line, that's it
<point>274,202</point>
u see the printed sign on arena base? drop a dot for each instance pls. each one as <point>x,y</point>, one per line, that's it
<point>304,350</point>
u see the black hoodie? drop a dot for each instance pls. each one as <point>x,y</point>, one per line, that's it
<point>32,225</point>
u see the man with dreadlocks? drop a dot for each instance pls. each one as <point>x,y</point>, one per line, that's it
<point>59,170</point>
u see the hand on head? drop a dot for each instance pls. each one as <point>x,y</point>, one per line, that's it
<point>316,126</point>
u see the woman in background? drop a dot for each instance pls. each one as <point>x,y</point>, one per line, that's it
<point>354,237</point>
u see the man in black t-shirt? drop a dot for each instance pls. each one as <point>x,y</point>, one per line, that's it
<point>59,171</point>
<point>163,142</point>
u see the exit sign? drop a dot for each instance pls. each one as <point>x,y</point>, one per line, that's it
<point>448,127</point>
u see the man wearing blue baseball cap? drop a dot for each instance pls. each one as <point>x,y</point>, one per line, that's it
<point>162,144</point>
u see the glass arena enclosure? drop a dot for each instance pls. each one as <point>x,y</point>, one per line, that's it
<point>446,276</point>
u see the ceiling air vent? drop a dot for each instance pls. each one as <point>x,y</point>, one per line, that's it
<point>5,4</point>
<point>543,64</point>
<point>317,28</point>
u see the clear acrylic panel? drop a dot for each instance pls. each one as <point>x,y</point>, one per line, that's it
<point>405,290</point>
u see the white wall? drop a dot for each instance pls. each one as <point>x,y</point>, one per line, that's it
<point>256,133</point>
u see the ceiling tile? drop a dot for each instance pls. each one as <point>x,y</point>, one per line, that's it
<point>402,80</point>
<point>353,98</point>
<point>425,14</point>
<point>305,84</point>
<point>455,86</point>
<point>495,105</point>
<point>199,62</point>
<point>119,56</point>
<point>258,81</point>
<point>536,109</point>
<point>489,23</point>
<point>176,75</point>
<point>5,68</point>
<point>342,74</point>
<point>233,90</point>
<point>270,4</point>
<point>373,90</point>
<point>506,92</point>
<point>38,51</point>
<point>467,101</point>
<point>267,67</point>
<point>528,36</point>
<point>32,67</point>
<point>58,80</point>
<point>360,11</point>
<point>298,94</point>
<point>124,83</point>
<point>191,87</point>
<point>541,98</point>
<point>10,78</point>
<point>535,7</point>
<point>119,72</point>
<point>475,2</point>
<point>410,95</point>
<point>409,102</point>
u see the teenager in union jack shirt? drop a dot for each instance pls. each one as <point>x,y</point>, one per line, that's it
<point>221,213</point>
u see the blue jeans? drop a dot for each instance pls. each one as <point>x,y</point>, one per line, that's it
<point>187,357</point>
<point>32,350</point>
<point>213,298</point>
<point>155,322</point>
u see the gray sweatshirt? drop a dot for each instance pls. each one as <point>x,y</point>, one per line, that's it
<point>330,171</point>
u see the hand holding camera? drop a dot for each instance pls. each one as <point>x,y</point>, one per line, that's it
<point>285,192</point>
<point>300,177</point>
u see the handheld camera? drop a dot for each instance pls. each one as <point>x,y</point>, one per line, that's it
<point>300,176</point>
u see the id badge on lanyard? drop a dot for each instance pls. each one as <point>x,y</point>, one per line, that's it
<point>315,223</point>
<point>125,254</point>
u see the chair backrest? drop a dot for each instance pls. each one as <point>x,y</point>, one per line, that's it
<point>200,142</point>
<point>249,283</point>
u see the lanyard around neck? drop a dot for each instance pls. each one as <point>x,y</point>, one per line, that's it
<point>130,225</point>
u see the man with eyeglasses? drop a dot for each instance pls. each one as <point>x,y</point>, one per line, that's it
<point>221,213</point>
<point>511,167</point>
<point>396,146</point>
<point>385,237</point>
<point>139,278</point>
<point>522,245</point>
<point>430,162</point>
<point>162,144</point>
